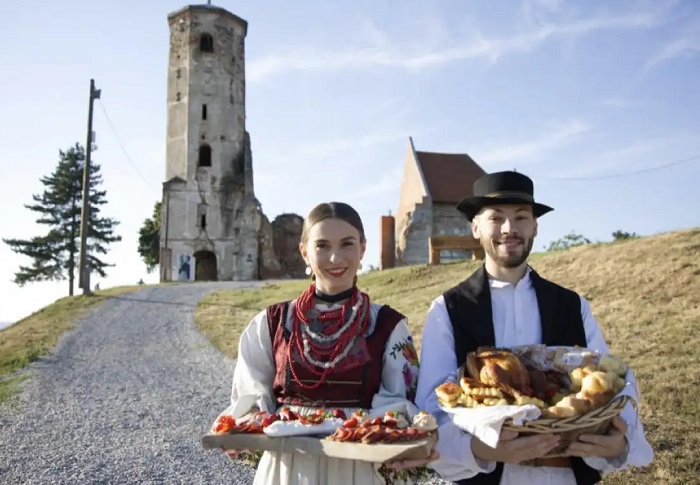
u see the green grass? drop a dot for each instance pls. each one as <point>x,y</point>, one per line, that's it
<point>29,339</point>
<point>643,291</point>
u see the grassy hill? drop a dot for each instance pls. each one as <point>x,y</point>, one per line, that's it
<point>644,292</point>
<point>33,336</point>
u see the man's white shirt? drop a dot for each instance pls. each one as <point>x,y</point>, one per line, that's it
<point>516,321</point>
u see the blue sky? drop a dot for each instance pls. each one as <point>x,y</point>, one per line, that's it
<point>566,92</point>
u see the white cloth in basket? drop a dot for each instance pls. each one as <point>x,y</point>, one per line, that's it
<point>485,422</point>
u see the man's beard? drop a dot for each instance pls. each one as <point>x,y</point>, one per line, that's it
<point>511,260</point>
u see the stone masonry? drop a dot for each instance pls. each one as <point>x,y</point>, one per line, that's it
<point>214,227</point>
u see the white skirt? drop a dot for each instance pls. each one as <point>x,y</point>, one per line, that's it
<point>303,469</point>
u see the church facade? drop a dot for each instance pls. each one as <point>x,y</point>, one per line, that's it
<point>432,185</point>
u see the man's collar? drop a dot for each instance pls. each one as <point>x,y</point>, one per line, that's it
<point>526,280</point>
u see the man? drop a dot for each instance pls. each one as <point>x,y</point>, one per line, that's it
<point>506,303</point>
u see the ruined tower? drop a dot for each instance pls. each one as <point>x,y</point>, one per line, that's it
<point>212,226</point>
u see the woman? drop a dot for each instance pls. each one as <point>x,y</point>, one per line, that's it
<point>329,348</point>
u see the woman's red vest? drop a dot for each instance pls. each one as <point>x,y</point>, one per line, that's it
<point>352,387</point>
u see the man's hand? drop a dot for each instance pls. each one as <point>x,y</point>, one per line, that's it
<point>511,449</point>
<point>610,445</point>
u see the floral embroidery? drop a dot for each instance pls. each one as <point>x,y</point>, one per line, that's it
<point>411,381</point>
<point>408,351</point>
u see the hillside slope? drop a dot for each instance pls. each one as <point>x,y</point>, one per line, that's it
<point>33,336</point>
<point>644,292</point>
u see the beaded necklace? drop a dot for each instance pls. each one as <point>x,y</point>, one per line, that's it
<point>323,339</point>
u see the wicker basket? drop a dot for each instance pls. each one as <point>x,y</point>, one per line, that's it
<point>595,422</point>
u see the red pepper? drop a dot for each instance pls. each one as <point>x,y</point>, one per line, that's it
<point>288,415</point>
<point>270,419</point>
<point>225,424</point>
<point>390,422</point>
<point>339,413</point>
<point>350,423</point>
<point>316,419</point>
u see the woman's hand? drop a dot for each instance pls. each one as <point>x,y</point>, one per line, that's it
<point>234,454</point>
<point>401,464</point>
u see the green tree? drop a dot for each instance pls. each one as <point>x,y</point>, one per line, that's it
<point>149,239</point>
<point>622,235</point>
<point>55,255</point>
<point>568,241</point>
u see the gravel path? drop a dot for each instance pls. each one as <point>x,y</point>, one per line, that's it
<point>124,398</point>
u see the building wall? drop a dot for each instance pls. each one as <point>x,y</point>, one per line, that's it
<point>413,235</point>
<point>245,256</point>
<point>447,220</point>
<point>216,80</point>
<point>214,208</point>
<point>286,230</point>
<point>428,219</point>
<point>412,199</point>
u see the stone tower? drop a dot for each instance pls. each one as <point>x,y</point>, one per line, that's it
<point>212,226</point>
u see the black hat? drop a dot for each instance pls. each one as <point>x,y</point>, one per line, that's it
<point>501,188</point>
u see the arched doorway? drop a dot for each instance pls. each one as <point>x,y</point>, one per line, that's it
<point>205,266</point>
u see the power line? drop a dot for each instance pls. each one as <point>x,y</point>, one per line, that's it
<point>114,132</point>
<point>624,174</point>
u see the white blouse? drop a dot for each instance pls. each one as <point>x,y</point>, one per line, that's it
<point>252,388</point>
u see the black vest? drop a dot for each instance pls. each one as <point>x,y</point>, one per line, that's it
<point>469,307</point>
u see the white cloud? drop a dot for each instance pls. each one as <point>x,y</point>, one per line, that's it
<point>548,5</point>
<point>685,47</point>
<point>561,135</point>
<point>386,54</point>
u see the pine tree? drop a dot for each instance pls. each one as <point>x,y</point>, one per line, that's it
<point>55,255</point>
<point>149,239</point>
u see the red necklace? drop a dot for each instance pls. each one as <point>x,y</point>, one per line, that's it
<point>312,353</point>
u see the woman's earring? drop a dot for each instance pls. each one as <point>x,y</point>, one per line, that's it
<point>308,270</point>
<point>359,268</point>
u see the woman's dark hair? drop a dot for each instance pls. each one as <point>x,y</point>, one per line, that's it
<point>332,210</point>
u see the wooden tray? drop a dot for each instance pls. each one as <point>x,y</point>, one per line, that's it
<point>375,452</point>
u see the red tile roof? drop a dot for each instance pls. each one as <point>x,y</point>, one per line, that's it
<point>449,176</point>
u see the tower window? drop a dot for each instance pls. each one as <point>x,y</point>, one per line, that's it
<point>206,43</point>
<point>204,156</point>
<point>239,165</point>
<point>202,216</point>
<point>204,111</point>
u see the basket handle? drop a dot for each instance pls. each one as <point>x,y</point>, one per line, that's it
<point>628,399</point>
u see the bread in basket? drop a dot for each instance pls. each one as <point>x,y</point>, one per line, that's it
<point>577,390</point>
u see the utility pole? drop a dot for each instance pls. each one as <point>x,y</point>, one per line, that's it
<point>84,271</point>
